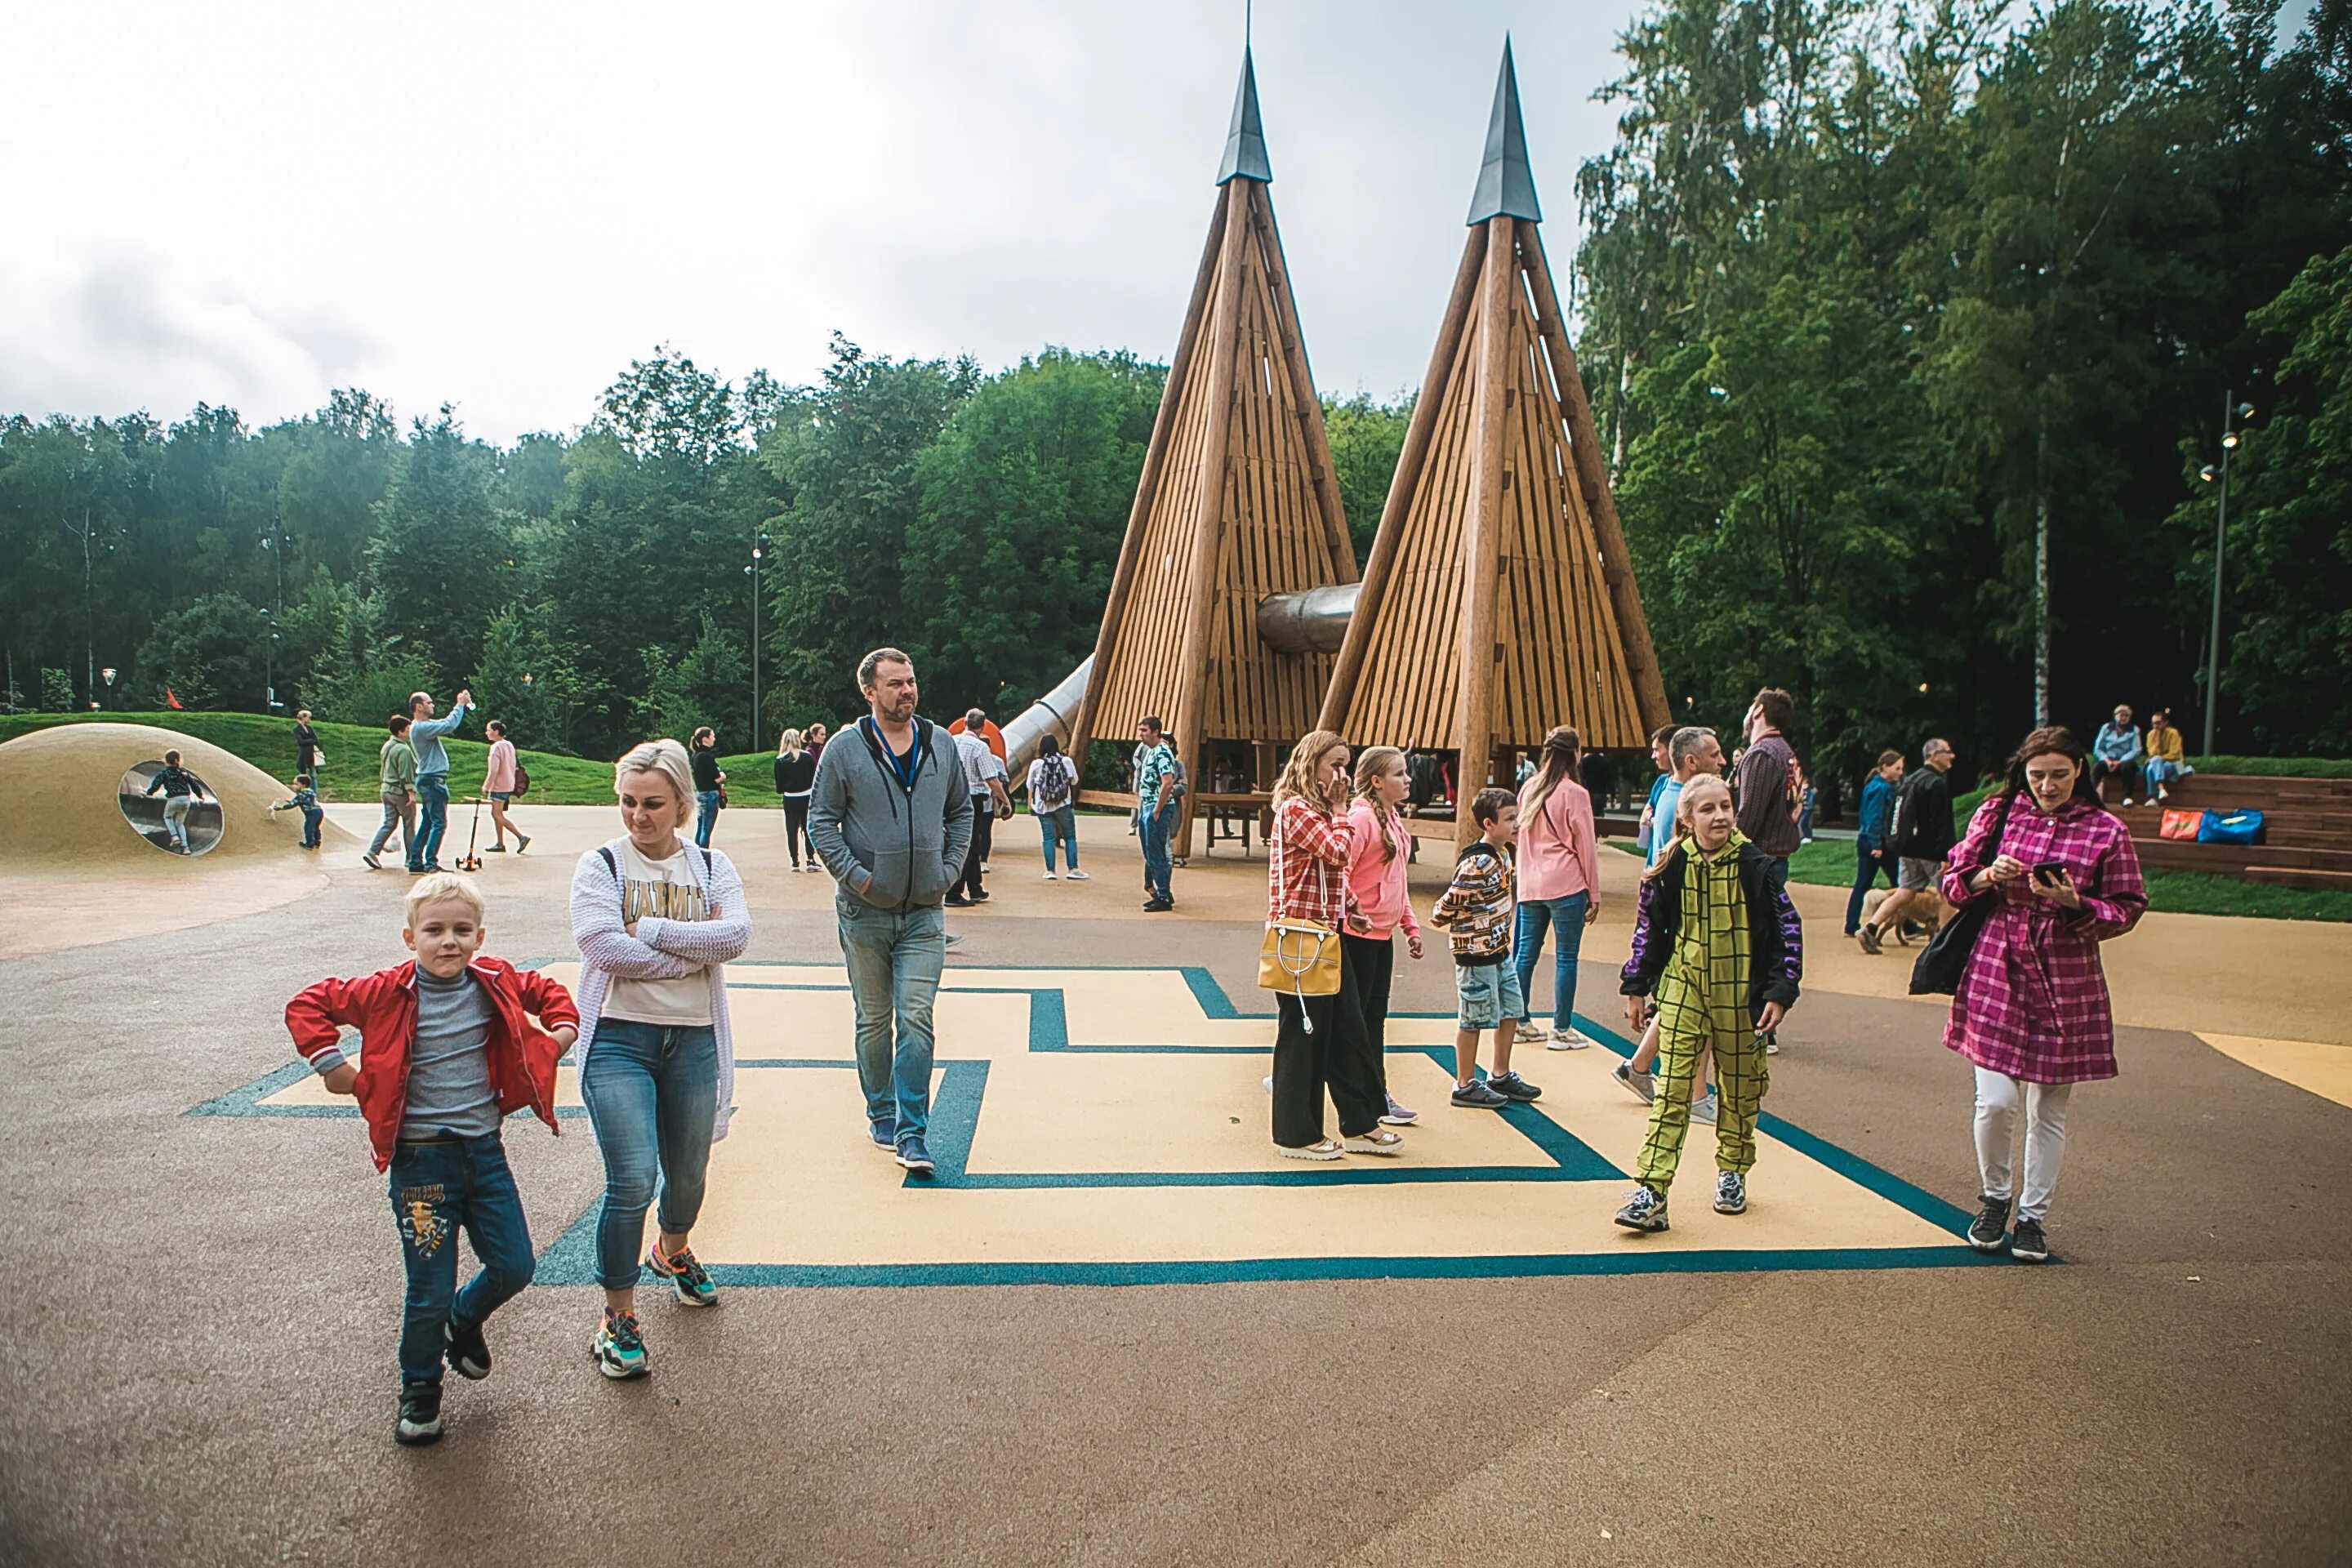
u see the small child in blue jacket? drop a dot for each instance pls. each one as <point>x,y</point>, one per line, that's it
<point>305,799</point>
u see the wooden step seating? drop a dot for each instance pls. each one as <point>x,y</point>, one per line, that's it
<point>2307,829</point>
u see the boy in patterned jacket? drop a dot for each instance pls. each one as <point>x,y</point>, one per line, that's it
<point>1719,944</point>
<point>1480,913</point>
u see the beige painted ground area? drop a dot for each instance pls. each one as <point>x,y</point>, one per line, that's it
<point>2326,1070</point>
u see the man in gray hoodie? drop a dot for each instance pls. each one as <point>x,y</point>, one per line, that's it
<point>891,819</point>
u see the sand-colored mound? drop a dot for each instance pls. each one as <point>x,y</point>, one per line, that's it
<point>58,808</point>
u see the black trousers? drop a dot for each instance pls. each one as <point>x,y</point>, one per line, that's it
<point>1337,1057</point>
<point>796,836</point>
<point>969,883</point>
<point>1373,962</point>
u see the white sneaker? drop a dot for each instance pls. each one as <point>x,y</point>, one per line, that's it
<point>2127,803</point>
<point>1567,1041</point>
<point>1266,1083</point>
<point>1074,875</point>
<point>1051,878</point>
<point>1530,1033</point>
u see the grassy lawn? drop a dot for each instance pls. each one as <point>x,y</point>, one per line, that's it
<point>349,774</point>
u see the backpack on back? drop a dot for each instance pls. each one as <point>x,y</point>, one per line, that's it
<point>1905,828</point>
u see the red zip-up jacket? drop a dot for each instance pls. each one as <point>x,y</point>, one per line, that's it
<point>382,1007</point>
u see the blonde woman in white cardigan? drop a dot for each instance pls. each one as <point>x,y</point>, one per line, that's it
<point>655,919</point>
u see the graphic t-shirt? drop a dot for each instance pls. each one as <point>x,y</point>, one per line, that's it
<point>664,890</point>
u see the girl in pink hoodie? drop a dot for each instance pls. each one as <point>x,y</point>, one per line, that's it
<point>1380,850</point>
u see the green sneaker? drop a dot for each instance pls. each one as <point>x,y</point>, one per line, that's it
<point>619,1353</point>
<point>685,1275</point>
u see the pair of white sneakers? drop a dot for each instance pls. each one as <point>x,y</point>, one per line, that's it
<point>1073,874</point>
<point>1554,1039</point>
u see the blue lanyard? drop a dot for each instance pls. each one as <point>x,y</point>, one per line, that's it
<point>907,767</point>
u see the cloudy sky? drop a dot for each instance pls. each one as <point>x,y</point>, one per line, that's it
<point>499,205</point>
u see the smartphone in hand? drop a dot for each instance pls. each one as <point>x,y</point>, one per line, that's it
<point>2050,873</point>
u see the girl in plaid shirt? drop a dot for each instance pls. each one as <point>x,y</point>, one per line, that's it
<point>2031,1011</point>
<point>1321,1042</point>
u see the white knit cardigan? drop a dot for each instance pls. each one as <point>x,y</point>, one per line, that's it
<point>662,949</point>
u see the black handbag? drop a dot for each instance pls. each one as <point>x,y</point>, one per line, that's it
<point>1941,963</point>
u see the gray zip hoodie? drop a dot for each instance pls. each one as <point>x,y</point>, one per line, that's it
<point>888,843</point>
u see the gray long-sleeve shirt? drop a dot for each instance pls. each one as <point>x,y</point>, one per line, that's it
<point>892,831</point>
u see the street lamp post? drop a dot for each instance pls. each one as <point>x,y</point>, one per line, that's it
<point>276,545</point>
<point>108,673</point>
<point>759,556</point>
<point>2232,412</point>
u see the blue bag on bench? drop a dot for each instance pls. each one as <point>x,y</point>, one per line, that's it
<point>2231,828</point>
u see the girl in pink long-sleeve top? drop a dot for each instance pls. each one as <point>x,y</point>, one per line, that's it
<point>2032,1011</point>
<point>1378,852</point>
<point>1559,885</point>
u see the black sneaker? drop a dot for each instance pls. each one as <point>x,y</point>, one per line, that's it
<point>468,1350</point>
<point>1158,906</point>
<point>420,1414</point>
<point>1511,1086</point>
<point>1991,1226</point>
<point>1478,1096</point>
<point>1870,942</point>
<point>956,901</point>
<point>2028,1245</point>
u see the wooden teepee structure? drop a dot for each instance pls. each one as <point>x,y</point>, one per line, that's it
<point>1499,598</point>
<point>1237,500</point>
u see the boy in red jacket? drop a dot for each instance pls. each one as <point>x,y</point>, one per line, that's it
<point>447,1050</point>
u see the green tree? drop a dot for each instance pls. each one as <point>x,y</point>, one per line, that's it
<point>707,684</point>
<point>1366,437</point>
<point>208,655</point>
<point>528,679</point>
<point>440,560</point>
<point>1023,502</point>
<point>848,462</point>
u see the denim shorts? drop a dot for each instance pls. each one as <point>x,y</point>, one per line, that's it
<point>1489,993</point>
<point>501,796</point>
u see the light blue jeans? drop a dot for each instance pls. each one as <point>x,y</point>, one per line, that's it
<point>894,959</point>
<point>1059,826</point>
<point>1565,917</point>
<point>2161,773</point>
<point>653,1096</point>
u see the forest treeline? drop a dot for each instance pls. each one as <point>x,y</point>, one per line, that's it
<point>1891,313</point>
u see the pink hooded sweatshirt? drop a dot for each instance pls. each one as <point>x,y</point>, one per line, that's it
<point>1379,885</point>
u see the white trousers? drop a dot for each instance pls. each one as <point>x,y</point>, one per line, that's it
<point>1998,1095</point>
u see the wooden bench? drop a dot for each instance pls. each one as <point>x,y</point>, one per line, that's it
<point>2307,829</point>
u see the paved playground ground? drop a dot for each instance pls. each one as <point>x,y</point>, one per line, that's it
<point>1115,1331</point>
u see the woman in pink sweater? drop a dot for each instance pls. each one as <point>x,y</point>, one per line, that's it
<point>1560,884</point>
<point>1377,855</point>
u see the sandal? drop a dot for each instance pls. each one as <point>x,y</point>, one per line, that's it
<point>1323,1150</point>
<point>1379,1141</point>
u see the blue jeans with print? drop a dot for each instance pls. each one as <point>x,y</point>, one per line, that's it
<point>1060,826</point>
<point>894,960</point>
<point>1565,917</point>
<point>705,816</point>
<point>433,807</point>
<point>653,1096</point>
<point>438,1190</point>
<point>1156,829</point>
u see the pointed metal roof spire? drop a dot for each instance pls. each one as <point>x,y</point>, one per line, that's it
<point>1245,140</point>
<point>1506,183</point>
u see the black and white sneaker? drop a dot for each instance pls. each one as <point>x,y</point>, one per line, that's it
<point>1991,1226</point>
<point>1511,1086</point>
<point>467,1351</point>
<point>1645,1211</point>
<point>2027,1244</point>
<point>1730,1192</point>
<point>420,1414</point>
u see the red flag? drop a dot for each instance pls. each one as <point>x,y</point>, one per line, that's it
<point>171,701</point>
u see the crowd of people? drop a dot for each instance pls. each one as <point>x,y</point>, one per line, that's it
<point>895,811</point>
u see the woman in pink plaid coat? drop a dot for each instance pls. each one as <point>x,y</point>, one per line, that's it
<point>2031,1009</point>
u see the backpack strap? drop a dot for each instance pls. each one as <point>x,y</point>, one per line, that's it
<point>610,864</point>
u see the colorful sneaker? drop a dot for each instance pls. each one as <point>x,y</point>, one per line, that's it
<point>420,1414</point>
<point>1645,1211</point>
<point>1730,1192</point>
<point>1991,1226</point>
<point>1477,1097</point>
<point>618,1350</point>
<point>1511,1086</point>
<point>2027,1244</point>
<point>1398,1115</point>
<point>1642,1086</point>
<point>685,1275</point>
<point>467,1350</point>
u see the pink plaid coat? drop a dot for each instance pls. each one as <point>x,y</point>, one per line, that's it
<point>2032,1002</point>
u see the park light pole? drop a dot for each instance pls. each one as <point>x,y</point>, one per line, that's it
<point>276,544</point>
<point>108,674</point>
<point>759,556</point>
<point>2232,412</point>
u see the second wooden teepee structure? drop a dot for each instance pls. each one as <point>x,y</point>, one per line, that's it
<point>1237,500</point>
<point>1499,598</point>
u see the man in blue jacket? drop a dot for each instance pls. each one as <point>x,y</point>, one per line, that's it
<point>1871,860</point>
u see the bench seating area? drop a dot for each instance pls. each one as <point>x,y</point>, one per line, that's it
<point>2306,830</point>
